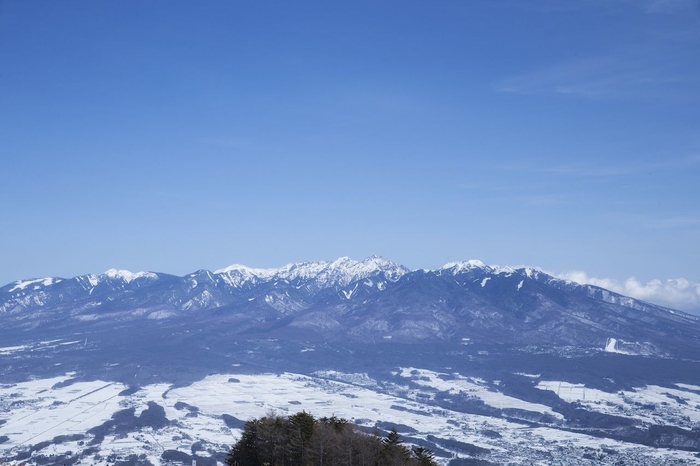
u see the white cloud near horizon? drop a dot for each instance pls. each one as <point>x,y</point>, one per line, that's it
<point>676,293</point>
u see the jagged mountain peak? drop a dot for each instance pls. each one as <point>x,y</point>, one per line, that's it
<point>473,265</point>
<point>128,276</point>
<point>461,266</point>
<point>339,272</point>
<point>531,272</point>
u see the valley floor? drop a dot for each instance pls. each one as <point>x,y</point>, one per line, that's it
<point>62,419</point>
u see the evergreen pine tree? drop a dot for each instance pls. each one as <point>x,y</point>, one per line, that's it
<point>424,456</point>
<point>245,451</point>
<point>393,452</point>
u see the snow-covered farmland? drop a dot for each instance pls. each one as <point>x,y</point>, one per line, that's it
<point>652,403</point>
<point>39,410</point>
<point>60,411</point>
<point>475,387</point>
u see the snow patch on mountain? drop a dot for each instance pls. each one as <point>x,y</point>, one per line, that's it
<point>611,345</point>
<point>22,284</point>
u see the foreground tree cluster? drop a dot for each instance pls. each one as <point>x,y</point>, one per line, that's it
<point>302,440</point>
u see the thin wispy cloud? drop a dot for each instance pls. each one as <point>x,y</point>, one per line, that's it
<point>601,77</point>
<point>472,186</point>
<point>677,221</point>
<point>243,145</point>
<point>649,73</point>
<point>580,76</point>
<point>676,293</point>
<point>602,170</point>
<point>670,6</point>
<point>591,170</point>
<point>647,6</point>
<point>659,222</point>
<point>513,193</point>
<point>536,200</point>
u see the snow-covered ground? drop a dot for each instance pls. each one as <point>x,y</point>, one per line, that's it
<point>652,404</point>
<point>474,387</point>
<point>41,410</point>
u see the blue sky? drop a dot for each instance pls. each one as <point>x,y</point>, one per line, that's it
<point>173,136</point>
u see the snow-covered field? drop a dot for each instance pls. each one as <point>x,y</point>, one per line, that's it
<point>653,404</point>
<point>42,410</point>
<point>475,387</point>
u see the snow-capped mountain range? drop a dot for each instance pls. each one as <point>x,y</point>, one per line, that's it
<point>319,275</point>
<point>370,300</point>
<point>313,275</point>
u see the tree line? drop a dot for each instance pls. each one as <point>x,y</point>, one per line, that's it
<point>302,440</point>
